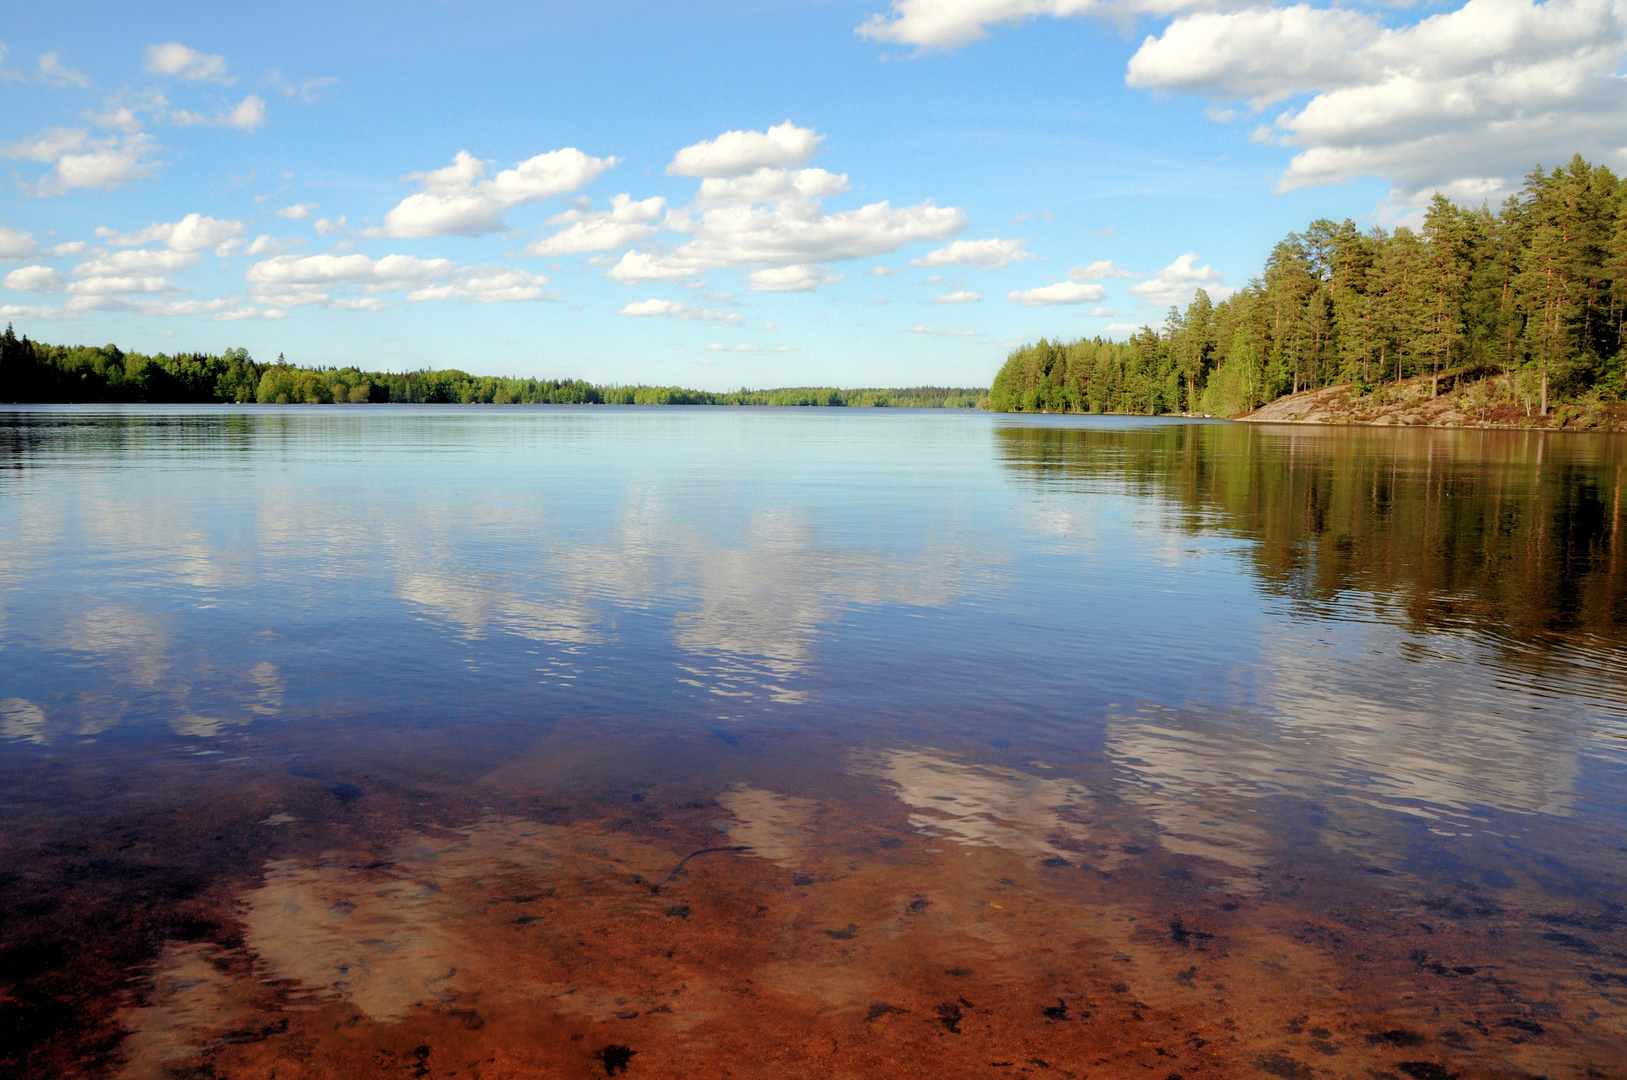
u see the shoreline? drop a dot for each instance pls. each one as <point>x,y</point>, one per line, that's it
<point>1488,405</point>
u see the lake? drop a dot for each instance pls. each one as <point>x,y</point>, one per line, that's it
<point>501,743</point>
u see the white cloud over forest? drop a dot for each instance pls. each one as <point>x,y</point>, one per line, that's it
<point>1100,270</point>
<point>1176,283</point>
<point>459,200</point>
<point>1463,101</point>
<point>35,279</point>
<point>772,219</point>
<point>1063,292</point>
<point>293,281</point>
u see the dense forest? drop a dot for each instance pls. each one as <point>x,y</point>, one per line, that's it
<point>1529,298</point>
<point>31,371</point>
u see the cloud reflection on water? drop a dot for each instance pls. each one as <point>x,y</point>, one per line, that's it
<point>1436,746</point>
<point>747,606</point>
<point>22,720</point>
<point>775,827</point>
<point>990,806</point>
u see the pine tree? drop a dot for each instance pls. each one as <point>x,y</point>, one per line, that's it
<point>1352,309</point>
<point>1290,286</point>
<point>1446,274</point>
<point>1394,285</point>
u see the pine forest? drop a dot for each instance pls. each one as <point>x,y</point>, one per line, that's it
<point>1520,308</point>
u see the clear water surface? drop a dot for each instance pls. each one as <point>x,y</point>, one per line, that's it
<point>759,742</point>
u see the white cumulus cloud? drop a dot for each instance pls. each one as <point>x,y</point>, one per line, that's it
<point>1100,270</point>
<point>949,24</point>
<point>17,244</point>
<point>674,310</point>
<point>1464,101</point>
<point>53,71</point>
<point>308,91</point>
<point>192,233</point>
<point>459,200</point>
<point>1176,283</point>
<point>484,284</point>
<point>235,314</point>
<point>790,233</point>
<point>1063,292</point>
<point>120,292</point>
<point>960,297</point>
<point>794,278</point>
<point>176,60</point>
<point>32,311</point>
<point>137,261</point>
<point>266,244</point>
<point>37,279</point>
<point>989,254</point>
<point>246,115</point>
<point>291,281</point>
<point>770,185</point>
<point>627,221</point>
<point>397,271</point>
<point>80,161</point>
<point>734,153</point>
<point>330,226</point>
<point>296,296</point>
<point>636,266</point>
<point>754,210</point>
<point>297,211</point>
<point>1263,54</point>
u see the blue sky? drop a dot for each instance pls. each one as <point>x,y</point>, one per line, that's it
<point>881,193</point>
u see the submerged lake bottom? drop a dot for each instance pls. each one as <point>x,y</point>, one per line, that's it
<point>569,743</point>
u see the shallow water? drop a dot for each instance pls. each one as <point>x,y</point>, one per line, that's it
<point>757,742</point>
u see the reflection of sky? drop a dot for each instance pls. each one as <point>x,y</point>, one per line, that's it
<point>538,526</point>
<point>1376,716</point>
<point>877,571</point>
<point>746,607</point>
<point>977,805</point>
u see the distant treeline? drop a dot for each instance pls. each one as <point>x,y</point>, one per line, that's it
<point>31,371</point>
<point>1535,292</point>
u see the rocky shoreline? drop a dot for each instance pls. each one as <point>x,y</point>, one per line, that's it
<point>1481,403</point>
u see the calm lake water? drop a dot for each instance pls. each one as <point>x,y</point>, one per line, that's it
<point>531,742</point>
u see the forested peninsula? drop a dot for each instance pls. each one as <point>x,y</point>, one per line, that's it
<point>1514,316</point>
<point>33,372</point>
